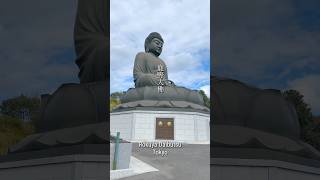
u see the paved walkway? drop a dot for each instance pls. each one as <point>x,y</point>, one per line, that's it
<point>191,162</point>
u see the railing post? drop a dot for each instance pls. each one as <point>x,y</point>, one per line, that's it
<point>116,152</point>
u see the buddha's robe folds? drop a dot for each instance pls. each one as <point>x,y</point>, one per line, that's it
<point>146,68</point>
<point>91,35</point>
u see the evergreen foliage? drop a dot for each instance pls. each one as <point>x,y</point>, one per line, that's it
<point>310,129</point>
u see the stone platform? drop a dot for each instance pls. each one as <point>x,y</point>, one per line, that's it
<point>66,167</point>
<point>260,169</point>
<point>172,97</point>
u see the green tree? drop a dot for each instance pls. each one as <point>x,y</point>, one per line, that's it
<point>113,103</point>
<point>205,98</point>
<point>117,95</point>
<point>115,99</point>
<point>22,106</point>
<point>12,130</point>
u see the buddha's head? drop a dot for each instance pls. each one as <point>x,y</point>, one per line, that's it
<point>154,43</point>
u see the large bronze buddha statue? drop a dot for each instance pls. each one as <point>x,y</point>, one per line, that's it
<point>75,115</point>
<point>149,74</point>
<point>146,63</point>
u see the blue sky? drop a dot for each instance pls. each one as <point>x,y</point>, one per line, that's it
<point>185,28</point>
<point>269,44</point>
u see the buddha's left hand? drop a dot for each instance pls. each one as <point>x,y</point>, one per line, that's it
<point>170,83</point>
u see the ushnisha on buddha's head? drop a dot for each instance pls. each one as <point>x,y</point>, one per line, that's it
<point>153,44</point>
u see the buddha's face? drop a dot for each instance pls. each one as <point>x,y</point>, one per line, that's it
<point>155,46</point>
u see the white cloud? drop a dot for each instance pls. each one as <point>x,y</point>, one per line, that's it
<point>206,89</point>
<point>309,87</point>
<point>185,27</point>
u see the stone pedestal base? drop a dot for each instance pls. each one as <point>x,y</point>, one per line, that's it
<point>140,124</point>
<point>258,169</point>
<point>68,167</point>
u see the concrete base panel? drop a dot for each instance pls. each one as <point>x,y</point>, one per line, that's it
<point>140,125</point>
<point>70,167</point>
<point>253,169</point>
<point>124,154</point>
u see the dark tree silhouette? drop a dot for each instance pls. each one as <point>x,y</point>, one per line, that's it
<point>205,98</point>
<point>310,129</point>
<point>302,108</point>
